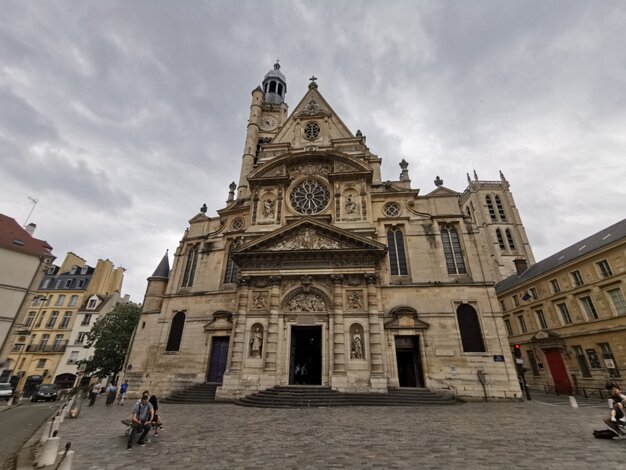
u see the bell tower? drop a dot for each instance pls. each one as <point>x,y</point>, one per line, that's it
<point>268,112</point>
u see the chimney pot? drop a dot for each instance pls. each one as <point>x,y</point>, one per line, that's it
<point>521,265</point>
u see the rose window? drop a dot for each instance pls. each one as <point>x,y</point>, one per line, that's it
<point>311,131</point>
<point>310,197</point>
<point>391,209</point>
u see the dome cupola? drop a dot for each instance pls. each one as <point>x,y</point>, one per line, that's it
<point>274,85</point>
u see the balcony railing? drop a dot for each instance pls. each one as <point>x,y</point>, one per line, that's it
<point>47,348</point>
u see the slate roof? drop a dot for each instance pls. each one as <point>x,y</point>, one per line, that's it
<point>13,237</point>
<point>163,269</point>
<point>588,245</point>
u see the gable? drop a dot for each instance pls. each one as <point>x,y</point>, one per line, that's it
<point>312,108</point>
<point>309,242</point>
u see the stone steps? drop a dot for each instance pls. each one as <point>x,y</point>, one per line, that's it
<point>316,396</point>
<point>199,393</point>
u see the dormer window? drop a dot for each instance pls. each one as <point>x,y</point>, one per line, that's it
<point>84,270</point>
<point>50,270</point>
<point>92,304</point>
<point>74,269</point>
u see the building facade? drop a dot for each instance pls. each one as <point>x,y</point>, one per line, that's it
<point>317,263</point>
<point>23,260</point>
<point>40,337</point>
<point>567,313</point>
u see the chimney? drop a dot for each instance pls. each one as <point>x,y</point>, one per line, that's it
<point>521,265</point>
<point>30,228</point>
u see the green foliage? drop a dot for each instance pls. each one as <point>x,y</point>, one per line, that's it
<point>111,337</point>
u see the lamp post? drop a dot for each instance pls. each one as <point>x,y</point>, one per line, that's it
<point>26,332</point>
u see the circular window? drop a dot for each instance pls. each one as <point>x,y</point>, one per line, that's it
<point>309,197</point>
<point>311,131</point>
<point>391,209</point>
<point>238,224</point>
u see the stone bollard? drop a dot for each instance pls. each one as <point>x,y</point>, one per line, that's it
<point>9,402</point>
<point>49,452</point>
<point>55,426</point>
<point>65,458</point>
<point>47,431</point>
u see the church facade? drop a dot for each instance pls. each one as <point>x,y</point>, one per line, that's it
<point>317,272</point>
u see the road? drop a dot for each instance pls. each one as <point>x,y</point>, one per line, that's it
<point>17,425</point>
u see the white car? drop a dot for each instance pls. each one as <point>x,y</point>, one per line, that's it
<point>6,391</point>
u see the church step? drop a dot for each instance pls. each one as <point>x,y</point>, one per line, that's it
<point>198,393</point>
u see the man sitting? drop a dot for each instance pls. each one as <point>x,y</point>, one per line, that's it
<point>617,420</point>
<point>141,420</point>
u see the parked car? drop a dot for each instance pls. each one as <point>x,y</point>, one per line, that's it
<point>6,391</point>
<point>48,392</point>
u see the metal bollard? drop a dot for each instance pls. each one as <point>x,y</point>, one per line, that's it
<point>49,452</point>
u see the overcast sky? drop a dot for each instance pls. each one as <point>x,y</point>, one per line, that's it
<point>123,118</point>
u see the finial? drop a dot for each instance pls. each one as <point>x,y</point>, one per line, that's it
<point>359,133</point>
<point>203,209</point>
<point>231,194</point>
<point>403,164</point>
<point>475,175</point>
<point>469,180</point>
<point>404,176</point>
<point>277,65</point>
<point>502,177</point>
<point>313,84</point>
<point>438,181</point>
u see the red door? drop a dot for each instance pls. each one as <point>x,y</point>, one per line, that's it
<point>558,371</point>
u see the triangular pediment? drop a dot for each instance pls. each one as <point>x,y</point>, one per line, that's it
<point>312,107</point>
<point>442,191</point>
<point>318,163</point>
<point>311,243</point>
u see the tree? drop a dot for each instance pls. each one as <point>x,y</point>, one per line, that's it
<point>111,337</point>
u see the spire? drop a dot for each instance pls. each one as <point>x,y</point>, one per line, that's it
<point>275,85</point>
<point>163,269</point>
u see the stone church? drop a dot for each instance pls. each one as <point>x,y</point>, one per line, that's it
<point>317,272</point>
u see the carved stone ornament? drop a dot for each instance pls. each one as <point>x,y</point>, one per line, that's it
<point>278,171</point>
<point>308,239</point>
<point>355,299</point>
<point>312,108</point>
<point>259,301</point>
<point>310,169</point>
<point>306,302</point>
<point>371,278</point>
<point>275,280</point>
<point>341,167</point>
<point>337,279</point>
<point>243,281</point>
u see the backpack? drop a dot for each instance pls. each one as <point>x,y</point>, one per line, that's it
<point>604,434</point>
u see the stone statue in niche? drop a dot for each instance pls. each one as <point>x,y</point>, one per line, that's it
<point>350,205</point>
<point>357,347</point>
<point>306,303</point>
<point>256,342</point>
<point>259,300</point>
<point>268,208</point>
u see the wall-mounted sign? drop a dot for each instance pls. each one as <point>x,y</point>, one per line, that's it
<point>498,358</point>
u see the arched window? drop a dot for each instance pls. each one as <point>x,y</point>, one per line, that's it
<point>190,268</point>
<point>232,270</point>
<point>509,239</point>
<point>176,332</point>
<point>469,327</point>
<point>280,89</point>
<point>272,87</point>
<point>265,87</point>
<point>500,209</point>
<point>452,251</point>
<point>397,257</point>
<point>492,212</point>
<point>500,239</point>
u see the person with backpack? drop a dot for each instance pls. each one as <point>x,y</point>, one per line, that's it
<point>122,395</point>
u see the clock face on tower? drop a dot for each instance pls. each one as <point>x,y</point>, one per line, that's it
<point>268,123</point>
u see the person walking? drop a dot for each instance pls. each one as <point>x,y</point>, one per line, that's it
<point>111,393</point>
<point>141,420</point>
<point>93,393</point>
<point>122,395</point>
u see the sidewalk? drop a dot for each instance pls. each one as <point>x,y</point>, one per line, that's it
<point>527,435</point>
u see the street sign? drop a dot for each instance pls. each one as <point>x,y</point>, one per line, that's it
<point>519,361</point>
<point>498,358</point>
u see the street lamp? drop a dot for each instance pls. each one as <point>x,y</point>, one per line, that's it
<point>26,332</point>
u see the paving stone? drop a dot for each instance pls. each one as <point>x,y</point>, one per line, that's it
<point>526,435</point>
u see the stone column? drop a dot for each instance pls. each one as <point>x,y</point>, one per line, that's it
<point>338,360</point>
<point>239,324</point>
<point>377,379</point>
<point>271,356</point>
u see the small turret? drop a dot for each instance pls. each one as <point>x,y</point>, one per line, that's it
<point>157,283</point>
<point>274,86</point>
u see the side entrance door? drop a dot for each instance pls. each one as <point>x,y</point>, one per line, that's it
<point>558,370</point>
<point>409,361</point>
<point>217,361</point>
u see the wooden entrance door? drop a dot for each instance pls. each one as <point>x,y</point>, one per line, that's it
<point>217,361</point>
<point>558,370</point>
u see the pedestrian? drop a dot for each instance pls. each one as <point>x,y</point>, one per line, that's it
<point>141,420</point>
<point>156,421</point>
<point>122,395</point>
<point>111,393</point>
<point>296,374</point>
<point>93,393</point>
<point>617,420</point>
